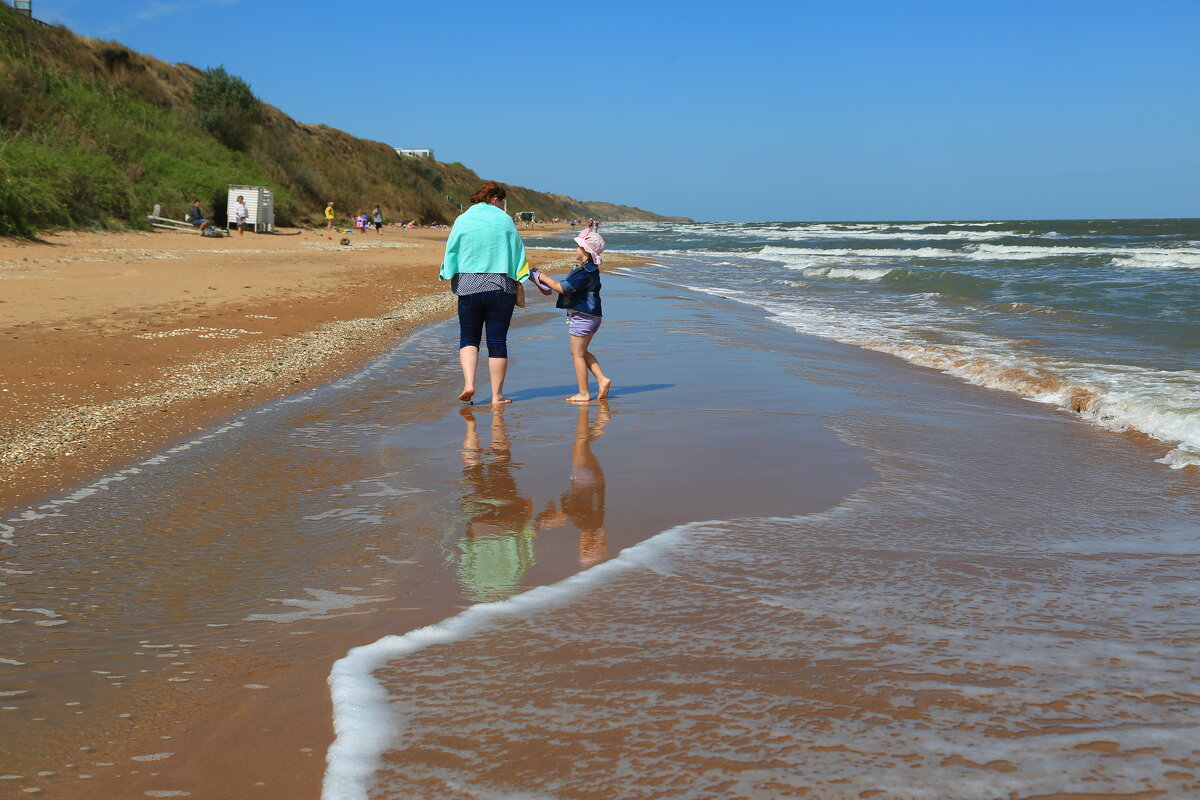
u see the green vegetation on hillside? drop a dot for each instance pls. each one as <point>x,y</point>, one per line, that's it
<point>94,134</point>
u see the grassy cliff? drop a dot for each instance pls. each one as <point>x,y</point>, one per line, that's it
<point>94,134</point>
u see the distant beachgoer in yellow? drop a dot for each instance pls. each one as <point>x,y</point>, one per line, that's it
<point>329,217</point>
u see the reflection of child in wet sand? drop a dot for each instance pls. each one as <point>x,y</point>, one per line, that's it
<point>583,504</point>
<point>579,294</point>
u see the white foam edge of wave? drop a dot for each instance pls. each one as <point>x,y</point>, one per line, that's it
<point>791,230</point>
<point>892,234</point>
<point>805,257</point>
<point>1167,260</point>
<point>1109,408</point>
<point>1177,256</point>
<point>864,274</point>
<point>1136,257</point>
<point>775,251</point>
<point>362,722</point>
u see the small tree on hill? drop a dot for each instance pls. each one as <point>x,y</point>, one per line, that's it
<point>226,107</point>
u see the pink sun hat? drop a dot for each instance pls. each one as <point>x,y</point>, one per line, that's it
<point>592,242</point>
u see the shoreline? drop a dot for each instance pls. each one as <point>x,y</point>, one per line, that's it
<point>125,343</point>
<point>223,581</point>
<point>260,556</point>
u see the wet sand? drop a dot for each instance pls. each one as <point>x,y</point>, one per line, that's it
<point>260,555</point>
<point>1003,609</point>
<point>117,344</point>
<point>196,602</point>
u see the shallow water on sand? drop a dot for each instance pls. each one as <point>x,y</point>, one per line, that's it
<point>1101,317</point>
<point>1007,610</point>
<point>895,585</point>
<point>188,608</point>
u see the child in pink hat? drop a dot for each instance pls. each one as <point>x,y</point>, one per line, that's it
<point>579,294</point>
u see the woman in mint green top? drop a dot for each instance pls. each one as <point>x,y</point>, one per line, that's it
<point>485,264</point>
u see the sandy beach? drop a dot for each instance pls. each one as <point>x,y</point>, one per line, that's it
<point>769,565</point>
<point>119,343</point>
<point>859,459</point>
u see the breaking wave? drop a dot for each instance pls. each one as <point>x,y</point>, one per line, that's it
<point>1163,405</point>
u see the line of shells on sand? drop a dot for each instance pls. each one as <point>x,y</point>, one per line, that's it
<point>276,362</point>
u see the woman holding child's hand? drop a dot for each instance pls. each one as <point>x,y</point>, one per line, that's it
<point>485,264</point>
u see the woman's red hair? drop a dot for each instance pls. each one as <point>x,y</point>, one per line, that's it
<point>488,192</point>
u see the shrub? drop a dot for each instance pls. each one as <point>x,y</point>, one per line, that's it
<point>225,107</point>
<point>115,56</point>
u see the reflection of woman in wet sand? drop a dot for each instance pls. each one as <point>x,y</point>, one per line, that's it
<point>498,545</point>
<point>583,504</point>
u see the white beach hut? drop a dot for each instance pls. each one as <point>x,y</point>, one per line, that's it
<point>260,208</point>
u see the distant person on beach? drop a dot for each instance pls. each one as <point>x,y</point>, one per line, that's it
<point>240,214</point>
<point>583,504</point>
<point>485,263</point>
<point>579,294</point>
<point>196,217</point>
<point>329,216</point>
<point>377,214</point>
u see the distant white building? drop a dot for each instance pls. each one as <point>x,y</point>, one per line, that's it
<point>423,152</point>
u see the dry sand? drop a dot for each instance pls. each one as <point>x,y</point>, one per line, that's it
<point>117,344</point>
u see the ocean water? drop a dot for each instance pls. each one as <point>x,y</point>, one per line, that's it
<point>1007,609</point>
<point>1097,317</point>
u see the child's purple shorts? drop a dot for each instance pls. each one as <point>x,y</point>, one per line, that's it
<point>583,324</point>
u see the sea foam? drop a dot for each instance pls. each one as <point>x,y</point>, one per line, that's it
<point>362,724</point>
<point>1162,404</point>
<point>844,272</point>
<point>844,651</point>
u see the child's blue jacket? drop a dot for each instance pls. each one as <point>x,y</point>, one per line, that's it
<point>581,290</point>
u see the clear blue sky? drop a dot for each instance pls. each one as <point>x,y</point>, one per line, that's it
<point>735,110</point>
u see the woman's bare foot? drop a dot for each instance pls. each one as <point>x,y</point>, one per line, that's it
<point>582,397</point>
<point>501,401</point>
<point>605,385</point>
<point>467,394</point>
